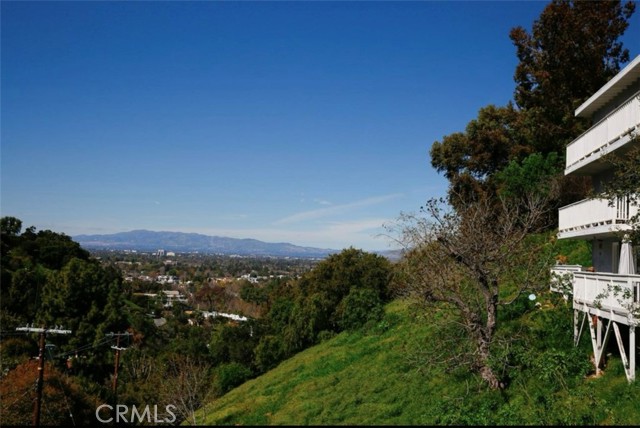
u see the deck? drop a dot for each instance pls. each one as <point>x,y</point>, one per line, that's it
<point>603,301</point>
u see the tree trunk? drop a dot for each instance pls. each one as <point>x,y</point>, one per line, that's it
<point>490,377</point>
<point>484,340</point>
<point>486,372</point>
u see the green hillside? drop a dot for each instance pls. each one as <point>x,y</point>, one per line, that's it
<point>386,376</point>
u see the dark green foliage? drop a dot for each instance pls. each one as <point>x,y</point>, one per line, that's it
<point>344,291</point>
<point>469,159</point>
<point>49,280</point>
<point>542,354</point>
<point>325,335</point>
<point>269,352</point>
<point>55,250</point>
<point>77,297</point>
<point>534,174</point>
<point>573,252</point>
<point>29,262</point>
<point>359,307</point>
<point>351,268</point>
<point>10,226</point>
<point>22,293</point>
<point>280,313</point>
<point>515,309</point>
<point>191,343</point>
<point>230,375</point>
<point>572,51</point>
<point>478,410</point>
<point>233,343</point>
<point>556,367</point>
<point>311,314</point>
<point>253,293</point>
<point>14,350</point>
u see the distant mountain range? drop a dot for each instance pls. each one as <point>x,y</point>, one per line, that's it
<point>146,240</point>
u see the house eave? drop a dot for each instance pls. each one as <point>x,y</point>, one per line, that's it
<point>611,89</point>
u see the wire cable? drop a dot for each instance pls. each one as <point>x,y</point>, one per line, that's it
<point>64,394</point>
<point>84,348</point>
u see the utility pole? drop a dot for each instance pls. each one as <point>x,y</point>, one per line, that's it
<point>117,359</point>
<point>43,334</point>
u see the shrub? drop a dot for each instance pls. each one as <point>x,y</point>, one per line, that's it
<point>358,308</point>
<point>325,335</point>
<point>230,375</point>
<point>269,352</point>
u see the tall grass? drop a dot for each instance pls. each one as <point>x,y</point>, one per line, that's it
<point>382,376</point>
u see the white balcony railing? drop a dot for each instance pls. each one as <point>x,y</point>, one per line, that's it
<point>562,278</point>
<point>587,215</point>
<point>616,293</point>
<point>612,128</point>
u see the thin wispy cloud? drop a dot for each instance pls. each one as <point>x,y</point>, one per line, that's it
<point>322,202</point>
<point>356,226</point>
<point>335,209</point>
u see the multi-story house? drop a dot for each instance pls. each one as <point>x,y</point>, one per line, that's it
<point>605,298</point>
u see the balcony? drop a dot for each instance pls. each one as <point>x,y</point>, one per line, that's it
<point>609,295</point>
<point>562,278</point>
<point>611,133</point>
<point>591,218</point>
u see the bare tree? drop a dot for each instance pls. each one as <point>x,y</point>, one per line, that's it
<point>468,260</point>
<point>185,386</point>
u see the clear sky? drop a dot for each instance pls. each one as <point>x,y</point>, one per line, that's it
<point>301,122</point>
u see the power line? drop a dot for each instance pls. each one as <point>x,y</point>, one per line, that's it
<point>43,331</point>
<point>13,333</point>
<point>117,358</point>
<point>83,348</point>
<point>64,394</point>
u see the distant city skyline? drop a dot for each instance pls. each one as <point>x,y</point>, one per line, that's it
<point>300,122</point>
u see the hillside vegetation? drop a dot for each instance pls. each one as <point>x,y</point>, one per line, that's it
<point>387,375</point>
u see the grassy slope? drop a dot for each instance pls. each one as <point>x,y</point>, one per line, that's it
<point>368,378</point>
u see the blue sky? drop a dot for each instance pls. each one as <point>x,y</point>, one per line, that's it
<point>305,122</point>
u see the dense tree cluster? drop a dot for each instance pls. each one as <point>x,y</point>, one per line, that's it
<point>345,291</point>
<point>48,280</point>
<point>572,51</point>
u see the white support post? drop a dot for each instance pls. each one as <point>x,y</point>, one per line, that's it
<point>597,341</point>
<point>577,331</point>
<point>632,353</point>
<point>576,326</point>
<point>623,355</point>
